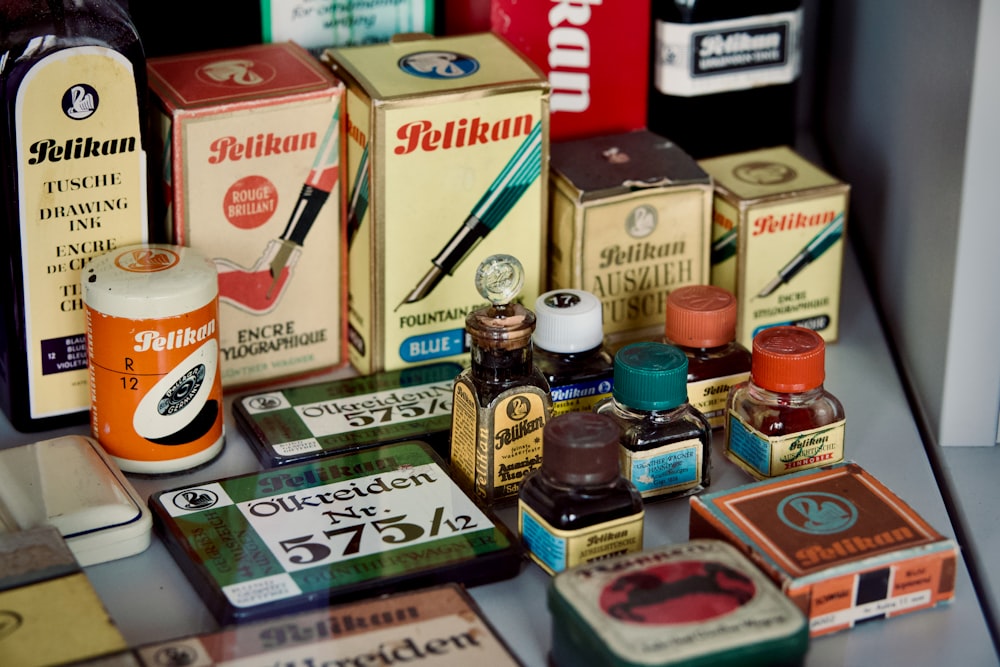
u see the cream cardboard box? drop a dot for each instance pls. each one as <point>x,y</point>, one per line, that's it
<point>447,144</point>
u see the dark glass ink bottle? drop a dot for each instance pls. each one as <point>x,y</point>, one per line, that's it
<point>782,419</point>
<point>73,186</point>
<point>570,351</point>
<point>701,321</point>
<point>577,507</point>
<point>725,73</point>
<point>501,402</point>
<point>666,443</point>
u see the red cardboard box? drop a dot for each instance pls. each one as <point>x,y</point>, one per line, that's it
<point>595,54</point>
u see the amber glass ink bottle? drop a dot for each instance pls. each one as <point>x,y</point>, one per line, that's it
<point>501,402</point>
<point>569,349</point>
<point>666,443</point>
<point>725,73</point>
<point>701,321</point>
<point>577,507</point>
<point>73,186</point>
<point>782,420</point>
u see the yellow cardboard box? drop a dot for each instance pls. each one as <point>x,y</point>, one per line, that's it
<point>446,145</point>
<point>778,240</point>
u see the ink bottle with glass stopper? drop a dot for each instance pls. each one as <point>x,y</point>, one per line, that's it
<point>782,419</point>
<point>570,351</point>
<point>666,443</point>
<point>501,402</point>
<point>577,507</point>
<point>701,321</point>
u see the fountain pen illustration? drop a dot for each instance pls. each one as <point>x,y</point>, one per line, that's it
<point>357,203</point>
<point>523,169</point>
<point>811,251</point>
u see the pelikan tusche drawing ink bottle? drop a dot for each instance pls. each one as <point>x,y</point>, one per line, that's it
<point>501,402</point>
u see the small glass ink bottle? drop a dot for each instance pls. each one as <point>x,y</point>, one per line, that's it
<point>701,321</point>
<point>569,349</point>
<point>782,420</point>
<point>501,402</point>
<point>665,443</point>
<point>577,507</point>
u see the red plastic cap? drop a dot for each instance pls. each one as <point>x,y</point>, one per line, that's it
<point>701,316</point>
<point>788,359</point>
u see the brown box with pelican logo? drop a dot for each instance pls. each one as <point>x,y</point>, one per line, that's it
<point>446,145</point>
<point>630,221</point>
<point>838,542</point>
<point>249,154</point>
<point>778,226</point>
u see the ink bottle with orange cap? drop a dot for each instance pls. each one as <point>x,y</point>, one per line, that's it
<point>782,419</point>
<point>501,403</point>
<point>570,351</point>
<point>665,442</point>
<point>577,507</point>
<point>701,321</point>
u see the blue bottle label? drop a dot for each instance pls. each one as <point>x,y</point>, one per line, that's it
<point>669,469</point>
<point>579,396</point>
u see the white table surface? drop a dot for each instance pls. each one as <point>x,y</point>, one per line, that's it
<point>150,599</point>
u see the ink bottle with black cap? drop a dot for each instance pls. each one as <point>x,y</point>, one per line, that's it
<point>501,402</point>
<point>577,507</point>
<point>665,441</point>
<point>570,350</point>
<point>701,321</point>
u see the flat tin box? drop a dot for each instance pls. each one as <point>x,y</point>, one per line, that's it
<point>695,604</point>
<point>630,221</point>
<point>778,226</point>
<point>438,626</point>
<point>309,421</point>
<point>839,543</point>
<point>446,141</point>
<point>348,526</point>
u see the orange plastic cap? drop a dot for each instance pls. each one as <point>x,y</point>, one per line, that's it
<point>701,316</point>
<point>788,359</point>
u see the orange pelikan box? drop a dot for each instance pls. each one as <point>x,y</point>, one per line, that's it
<point>839,543</point>
<point>249,149</point>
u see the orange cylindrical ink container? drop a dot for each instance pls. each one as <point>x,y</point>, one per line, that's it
<point>153,355</point>
<point>782,419</point>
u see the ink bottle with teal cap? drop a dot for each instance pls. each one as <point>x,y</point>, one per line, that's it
<point>570,351</point>
<point>577,507</point>
<point>665,441</point>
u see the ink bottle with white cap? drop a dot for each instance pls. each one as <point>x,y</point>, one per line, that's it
<point>782,419</point>
<point>665,442</point>
<point>501,402</point>
<point>577,507</point>
<point>701,321</point>
<point>570,350</point>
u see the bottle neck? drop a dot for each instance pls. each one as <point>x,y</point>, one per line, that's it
<point>785,398</point>
<point>500,365</point>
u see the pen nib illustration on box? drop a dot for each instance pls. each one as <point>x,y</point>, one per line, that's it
<point>258,289</point>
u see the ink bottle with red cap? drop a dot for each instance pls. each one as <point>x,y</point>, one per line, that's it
<point>665,442</point>
<point>782,419</point>
<point>501,403</point>
<point>577,507</point>
<point>701,321</point>
<point>570,351</point>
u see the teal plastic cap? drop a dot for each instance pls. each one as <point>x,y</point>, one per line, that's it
<point>650,376</point>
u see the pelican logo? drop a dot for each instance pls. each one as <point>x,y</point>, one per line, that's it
<point>195,499</point>
<point>438,65</point>
<point>641,221</point>
<point>817,513</point>
<point>147,260</point>
<point>238,72</point>
<point>263,403</point>
<point>10,621</point>
<point>175,656</point>
<point>80,101</point>
<point>764,173</point>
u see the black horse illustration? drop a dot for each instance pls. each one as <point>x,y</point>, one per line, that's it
<point>644,589</point>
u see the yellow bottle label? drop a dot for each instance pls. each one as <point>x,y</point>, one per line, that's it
<point>709,396</point>
<point>81,192</point>
<point>765,457</point>
<point>555,549</point>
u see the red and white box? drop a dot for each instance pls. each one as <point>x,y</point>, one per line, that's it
<point>595,54</point>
